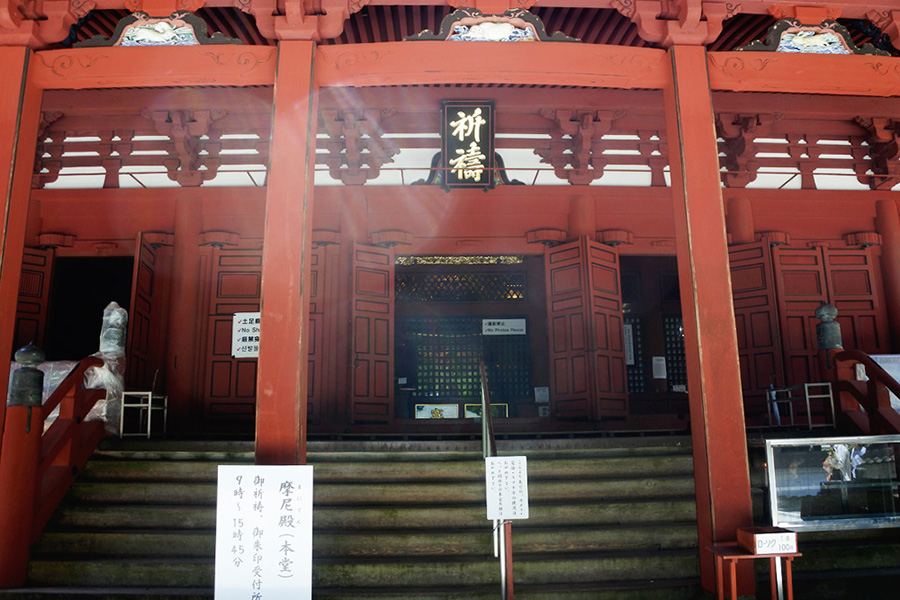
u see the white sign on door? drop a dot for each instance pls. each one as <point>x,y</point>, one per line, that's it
<point>264,532</point>
<point>245,335</point>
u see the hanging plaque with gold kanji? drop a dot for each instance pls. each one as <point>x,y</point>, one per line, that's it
<point>467,148</point>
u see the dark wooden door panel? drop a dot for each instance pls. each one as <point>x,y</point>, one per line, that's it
<point>372,328</point>
<point>570,376</point>
<point>756,319</point>
<point>848,279</point>
<point>147,315</point>
<point>34,294</point>
<point>587,354</point>
<point>801,287</point>
<point>854,287</point>
<point>230,390</point>
<point>607,337</point>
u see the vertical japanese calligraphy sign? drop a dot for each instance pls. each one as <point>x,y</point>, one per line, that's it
<point>467,144</point>
<point>506,482</point>
<point>264,533</point>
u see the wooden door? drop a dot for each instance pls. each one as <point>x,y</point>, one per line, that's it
<point>801,288</point>
<point>607,332</point>
<point>848,279</point>
<point>587,353</point>
<point>371,336</point>
<point>34,294</point>
<point>230,383</point>
<point>145,344</point>
<point>854,288</point>
<point>756,320</point>
<point>316,385</point>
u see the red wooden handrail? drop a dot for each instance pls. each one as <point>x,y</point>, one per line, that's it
<point>37,467</point>
<point>878,416</point>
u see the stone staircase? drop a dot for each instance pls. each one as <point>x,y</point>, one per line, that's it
<point>610,518</point>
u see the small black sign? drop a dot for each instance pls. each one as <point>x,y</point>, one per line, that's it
<point>467,149</point>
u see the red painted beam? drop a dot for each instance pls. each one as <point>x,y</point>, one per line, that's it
<point>20,104</point>
<point>860,75</point>
<point>282,379</point>
<point>422,63</point>
<point>163,66</point>
<point>721,469</point>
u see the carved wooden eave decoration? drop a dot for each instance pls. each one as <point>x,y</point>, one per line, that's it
<point>356,150</point>
<point>576,151</point>
<point>670,22</point>
<point>471,25</point>
<point>188,166</point>
<point>314,20</point>
<point>883,169</point>
<point>828,37</point>
<point>178,29</point>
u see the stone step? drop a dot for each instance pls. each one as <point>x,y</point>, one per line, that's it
<point>392,519</point>
<point>529,540</point>
<point>372,449</point>
<point>418,472</point>
<point>339,518</point>
<point>680,589</point>
<point>354,493</point>
<point>585,568</point>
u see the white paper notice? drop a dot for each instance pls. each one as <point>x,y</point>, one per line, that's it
<point>245,335</point>
<point>506,479</point>
<point>264,533</point>
<point>659,367</point>
<point>629,343</point>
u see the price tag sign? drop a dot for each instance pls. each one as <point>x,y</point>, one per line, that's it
<point>767,540</point>
<point>776,543</point>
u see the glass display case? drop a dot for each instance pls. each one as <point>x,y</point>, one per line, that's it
<point>834,482</point>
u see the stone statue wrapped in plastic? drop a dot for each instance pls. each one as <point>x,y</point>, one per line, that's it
<point>112,374</point>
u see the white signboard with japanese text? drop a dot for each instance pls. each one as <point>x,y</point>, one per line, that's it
<point>506,480</point>
<point>503,327</point>
<point>264,532</point>
<point>245,335</point>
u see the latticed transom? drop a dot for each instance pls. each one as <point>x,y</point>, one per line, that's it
<point>460,287</point>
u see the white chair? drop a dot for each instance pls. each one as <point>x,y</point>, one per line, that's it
<point>784,398</point>
<point>146,403</point>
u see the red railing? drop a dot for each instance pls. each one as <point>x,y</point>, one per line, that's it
<point>865,405</point>
<point>37,467</point>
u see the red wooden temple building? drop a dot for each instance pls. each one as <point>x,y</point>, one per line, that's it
<point>662,194</point>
